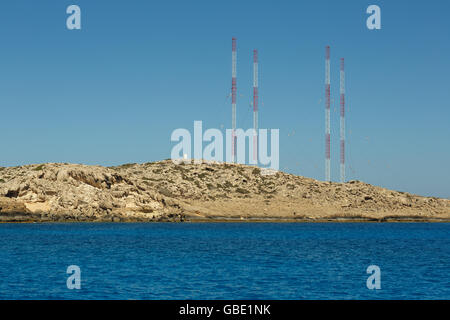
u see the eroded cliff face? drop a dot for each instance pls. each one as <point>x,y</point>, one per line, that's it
<point>164,191</point>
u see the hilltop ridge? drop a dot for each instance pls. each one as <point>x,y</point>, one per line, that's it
<point>164,191</point>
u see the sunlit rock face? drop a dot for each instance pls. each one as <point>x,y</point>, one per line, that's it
<point>164,191</point>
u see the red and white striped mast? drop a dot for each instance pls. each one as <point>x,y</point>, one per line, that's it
<point>327,114</point>
<point>233,100</point>
<point>255,106</point>
<point>342,92</point>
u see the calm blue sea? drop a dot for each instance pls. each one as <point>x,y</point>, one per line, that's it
<point>225,260</point>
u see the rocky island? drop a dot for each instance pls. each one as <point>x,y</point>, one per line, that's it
<point>164,191</point>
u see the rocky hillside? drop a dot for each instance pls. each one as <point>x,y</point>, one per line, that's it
<point>163,191</point>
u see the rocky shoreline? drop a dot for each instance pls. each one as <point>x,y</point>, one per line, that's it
<point>207,192</point>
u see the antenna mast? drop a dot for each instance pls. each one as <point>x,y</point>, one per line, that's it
<point>255,106</point>
<point>342,92</point>
<point>233,99</point>
<point>327,114</point>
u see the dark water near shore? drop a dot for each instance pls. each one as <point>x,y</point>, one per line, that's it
<point>225,260</point>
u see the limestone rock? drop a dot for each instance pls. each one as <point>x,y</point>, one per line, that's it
<point>164,191</point>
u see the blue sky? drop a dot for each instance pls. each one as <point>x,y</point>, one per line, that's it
<point>114,91</point>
